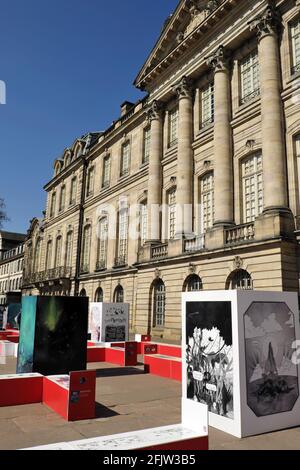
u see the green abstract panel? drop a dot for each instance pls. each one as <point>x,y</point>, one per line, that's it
<point>27,335</point>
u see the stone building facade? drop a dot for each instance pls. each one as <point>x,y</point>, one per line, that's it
<point>215,143</point>
<point>11,274</point>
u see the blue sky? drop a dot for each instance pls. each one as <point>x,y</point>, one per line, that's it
<point>67,65</point>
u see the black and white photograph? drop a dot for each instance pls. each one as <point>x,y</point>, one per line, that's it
<point>210,356</point>
<point>272,377</point>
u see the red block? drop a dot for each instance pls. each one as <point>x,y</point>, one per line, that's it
<point>82,395</point>
<point>20,390</point>
<point>131,353</point>
<point>95,354</point>
<point>115,356</point>
<point>162,367</point>
<point>169,350</point>
<point>13,338</point>
<point>73,399</point>
<point>56,397</point>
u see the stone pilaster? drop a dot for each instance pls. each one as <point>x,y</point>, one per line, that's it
<point>155,117</point>
<point>223,161</point>
<point>185,163</point>
<point>268,26</point>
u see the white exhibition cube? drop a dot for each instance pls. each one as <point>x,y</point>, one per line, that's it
<point>7,349</point>
<point>109,322</point>
<point>241,359</point>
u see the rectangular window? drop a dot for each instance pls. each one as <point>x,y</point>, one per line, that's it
<point>147,142</point>
<point>122,237</point>
<point>250,77</point>
<point>253,192</point>
<point>172,214</point>
<point>207,106</point>
<point>69,244</point>
<point>174,117</point>
<point>295,32</point>
<point>143,223</point>
<point>53,204</point>
<point>85,266</point>
<point>73,191</point>
<point>207,202</point>
<point>90,182</point>
<point>62,199</point>
<point>106,172</point>
<point>102,243</point>
<point>125,160</point>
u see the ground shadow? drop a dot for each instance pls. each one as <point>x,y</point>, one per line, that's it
<point>119,372</point>
<point>102,411</point>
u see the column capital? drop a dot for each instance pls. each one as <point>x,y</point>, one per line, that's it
<point>154,111</point>
<point>183,89</point>
<point>219,61</point>
<point>269,22</point>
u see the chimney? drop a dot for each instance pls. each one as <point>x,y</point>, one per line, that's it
<point>126,107</point>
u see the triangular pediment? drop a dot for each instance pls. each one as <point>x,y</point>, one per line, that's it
<point>187,17</point>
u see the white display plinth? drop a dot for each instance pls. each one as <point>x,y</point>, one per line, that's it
<point>241,359</point>
<point>108,322</point>
<point>7,349</point>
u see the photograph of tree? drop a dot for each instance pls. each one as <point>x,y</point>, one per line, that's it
<point>272,378</point>
<point>209,356</point>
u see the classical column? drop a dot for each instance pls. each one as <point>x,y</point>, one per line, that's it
<point>185,163</point>
<point>223,161</point>
<point>267,27</point>
<point>155,117</point>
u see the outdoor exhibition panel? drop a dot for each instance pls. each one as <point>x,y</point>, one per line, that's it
<point>53,335</point>
<point>108,322</point>
<point>241,359</point>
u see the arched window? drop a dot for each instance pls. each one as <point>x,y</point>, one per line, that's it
<point>83,293</point>
<point>119,295</point>
<point>193,284</point>
<point>240,280</point>
<point>99,295</point>
<point>159,304</point>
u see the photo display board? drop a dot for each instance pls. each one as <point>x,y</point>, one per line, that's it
<point>241,359</point>
<point>109,322</point>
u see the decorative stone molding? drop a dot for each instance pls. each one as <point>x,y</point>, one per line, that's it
<point>157,273</point>
<point>154,111</point>
<point>183,89</point>
<point>192,269</point>
<point>267,23</point>
<point>238,263</point>
<point>219,61</point>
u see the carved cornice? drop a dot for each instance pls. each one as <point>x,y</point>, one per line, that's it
<point>183,89</point>
<point>154,111</point>
<point>269,22</point>
<point>220,60</point>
